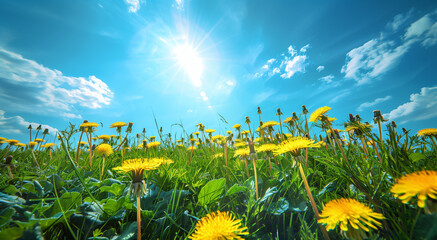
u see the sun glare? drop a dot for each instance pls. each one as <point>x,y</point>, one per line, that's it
<point>190,61</point>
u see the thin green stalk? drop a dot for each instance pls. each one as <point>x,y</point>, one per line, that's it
<point>62,210</point>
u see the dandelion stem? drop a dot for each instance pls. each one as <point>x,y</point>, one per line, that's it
<point>139,216</point>
<point>330,141</point>
<point>270,164</point>
<point>78,147</point>
<point>256,177</point>
<point>310,196</point>
<point>247,167</point>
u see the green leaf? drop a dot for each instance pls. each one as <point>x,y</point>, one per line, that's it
<point>28,188</point>
<point>116,189</point>
<point>6,216</point>
<point>112,205</point>
<point>11,190</point>
<point>235,189</point>
<point>416,157</point>
<point>129,232</point>
<point>279,207</point>
<point>11,233</point>
<point>211,191</point>
<point>69,200</point>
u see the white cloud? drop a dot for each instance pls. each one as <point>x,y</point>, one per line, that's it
<point>29,86</point>
<point>399,20</point>
<point>204,97</point>
<point>320,68</point>
<point>305,48</point>
<point>71,115</point>
<point>190,110</point>
<point>289,64</point>
<point>294,65</point>
<point>373,103</point>
<point>179,4</point>
<point>16,125</point>
<point>374,58</point>
<point>327,79</point>
<point>230,83</point>
<point>209,107</point>
<point>421,106</point>
<point>134,5</point>
<point>379,55</point>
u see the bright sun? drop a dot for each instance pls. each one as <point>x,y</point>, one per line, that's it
<point>190,61</point>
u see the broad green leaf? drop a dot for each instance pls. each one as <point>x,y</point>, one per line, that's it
<point>235,189</point>
<point>416,157</point>
<point>279,207</point>
<point>68,200</point>
<point>6,216</point>
<point>211,191</point>
<point>129,232</point>
<point>116,189</point>
<point>11,233</point>
<point>112,205</point>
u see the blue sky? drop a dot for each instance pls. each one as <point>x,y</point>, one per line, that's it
<point>189,61</point>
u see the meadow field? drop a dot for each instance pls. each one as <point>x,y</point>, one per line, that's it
<point>292,177</point>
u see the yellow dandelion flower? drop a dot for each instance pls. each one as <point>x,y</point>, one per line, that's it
<point>269,124</point>
<point>163,161</point>
<point>82,143</point>
<point>217,155</point>
<point>178,141</point>
<point>47,145</point>
<point>422,183</point>
<point>104,137</point>
<point>257,139</point>
<point>2,139</point>
<point>217,137</point>
<point>288,120</point>
<point>196,133</point>
<point>237,126</point>
<point>112,136</point>
<point>245,132</point>
<point>20,144</point>
<point>32,144</point>
<point>104,149</point>
<point>153,144</point>
<point>293,145</point>
<point>240,144</point>
<point>242,152</point>
<point>228,132</point>
<point>191,148</point>
<point>118,125</point>
<point>39,140</point>
<point>180,145</point>
<point>138,165</point>
<point>89,124</point>
<point>209,130</point>
<point>12,141</point>
<point>349,212</point>
<point>427,132</point>
<point>318,113</point>
<point>219,225</point>
<point>268,147</point>
<point>152,138</point>
<point>331,119</point>
<point>94,138</point>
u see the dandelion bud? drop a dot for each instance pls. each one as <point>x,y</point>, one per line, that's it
<point>377,114</point>
<point>358,118</point>
<point>29,127</point>
<point>260,123</point>
<point>39,127</point>
<point>304,110</point>
<point>160,129</point>
<point>144,130</point>
<point>247,120</point>
<point>279,113</point>
<point>259,110</point>
<point>405,131</point>
<point>394,124</point>
<point>46,131</point>
<point>295,117</point>
<point>351,118</point>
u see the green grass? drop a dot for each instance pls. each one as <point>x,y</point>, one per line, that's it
<point>65,200</point>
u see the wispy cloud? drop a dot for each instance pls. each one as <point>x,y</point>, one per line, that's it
<point>134,5</point>
<point>261,97</point>
<point>203,95</point>
<point>16,125</point>
<point>421,106</point>
<point>373,103</point>
<point>29,86</point>
<point>179,4</point>
<point>320,68</point>
<point>327,79</point>
<point>379,55</point>
<point>287,66</point>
